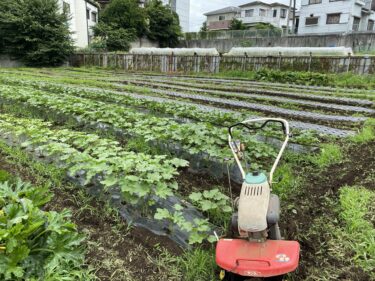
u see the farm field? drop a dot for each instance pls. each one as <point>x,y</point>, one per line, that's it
<point>142,163</point>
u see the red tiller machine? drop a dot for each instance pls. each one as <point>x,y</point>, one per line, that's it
<point>254,248</point>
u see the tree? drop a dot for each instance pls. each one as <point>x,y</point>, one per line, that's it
<point>35,32</point>
<point>237,24</point>
<point>204,27</point>
<point>125,14</point>
<point>112,38</point>
<point>164,24</point>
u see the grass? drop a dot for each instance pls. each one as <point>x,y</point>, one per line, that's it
<point>357,211</point>
<point>193,265</point>
<point>367,133</point>
<point>286,181</point>
<point>330,154</point>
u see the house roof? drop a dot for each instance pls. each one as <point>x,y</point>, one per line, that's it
<point>274,4</point>
<point>230,9</point>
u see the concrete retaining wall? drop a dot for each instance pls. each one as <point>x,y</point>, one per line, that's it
<point>5,61</point>
<point>359,42</point>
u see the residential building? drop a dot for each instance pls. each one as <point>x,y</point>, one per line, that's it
<point>222,18</point>
<point>250,14</point>
<point>182,8</point>
<point>83,16</point>
<point>257,12</point>
<point>334,16</point>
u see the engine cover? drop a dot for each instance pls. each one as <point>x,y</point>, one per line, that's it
<point>253,204</point>
<point>270,258</point>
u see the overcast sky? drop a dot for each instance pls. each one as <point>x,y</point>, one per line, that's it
<point>199,7</point>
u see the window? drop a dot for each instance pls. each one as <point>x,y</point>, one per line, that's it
<point>66,8</point>
<point>249,13</point>
<point>315,2</point>
<point>275,13</point>
<point>312,21</point>
<point>283,13</point>
<point>221,17</point>
<point>88,14</point>
<point>356,23</point>
<point>370,25</point>
<point>94,17</point>
<point>262,12</point>
<point>333,18</point>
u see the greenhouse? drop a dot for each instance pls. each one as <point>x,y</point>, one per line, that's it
<point>175,51</point>
<point>289,51</point>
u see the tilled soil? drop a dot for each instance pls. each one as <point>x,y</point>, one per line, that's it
<point>310,213</point>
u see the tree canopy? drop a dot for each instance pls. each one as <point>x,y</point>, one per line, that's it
<point>204,27</point>
<point>237,24</point>
<point>164,24</point>
<point>125,14</point>
<point>35,32</point>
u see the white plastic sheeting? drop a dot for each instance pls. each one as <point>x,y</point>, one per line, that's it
<point>175,51</point>
<point>290,51</point>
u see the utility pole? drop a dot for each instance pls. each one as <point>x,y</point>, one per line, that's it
<point>288,18</point>
<point>294,18</point>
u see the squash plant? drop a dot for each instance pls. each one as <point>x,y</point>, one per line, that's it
<point>198,229</point>
<point>35,244</point>
<point>138,175</point>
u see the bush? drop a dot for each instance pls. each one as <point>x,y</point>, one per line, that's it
<point>35,32</point>
<point>305,78</point>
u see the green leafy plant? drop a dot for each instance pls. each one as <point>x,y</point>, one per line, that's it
<point>36,245</point>
<point>4,176</point>
<point>214,203</point>
<point>198,229</point>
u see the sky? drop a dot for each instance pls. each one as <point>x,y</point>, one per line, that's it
<point>199,7</point>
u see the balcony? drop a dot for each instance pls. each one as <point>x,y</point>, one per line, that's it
<point>219,25</point>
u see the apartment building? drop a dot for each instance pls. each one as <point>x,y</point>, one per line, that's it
<point>182,8</point>
<point>334,16</point>
<point>251,14</point>
<point>83,16</point>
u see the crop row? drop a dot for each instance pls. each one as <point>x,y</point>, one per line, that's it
<point>194,138</point>
<point>139,183</point>
<point>251,84</point>
<point>139,175</point>
<point>301,115</point>
<point>186,109</point>
<point>251,89</point>
<point>298,100</point>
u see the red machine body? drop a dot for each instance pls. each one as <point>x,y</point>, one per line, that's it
<point>253,259</point>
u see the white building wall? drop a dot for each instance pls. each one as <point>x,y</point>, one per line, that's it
<point>79,24</point>
<point>277,21</point>
<point>182,8</point>
<point>227,16</point>
<point>348,9</point>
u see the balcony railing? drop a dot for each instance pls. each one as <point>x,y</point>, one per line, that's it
<point>233,34</point>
